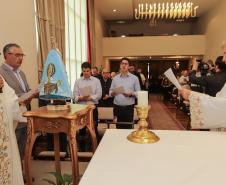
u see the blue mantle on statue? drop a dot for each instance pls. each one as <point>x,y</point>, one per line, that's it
<point>54,82</point>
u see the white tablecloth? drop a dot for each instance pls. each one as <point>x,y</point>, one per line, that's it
<point>179,158</point>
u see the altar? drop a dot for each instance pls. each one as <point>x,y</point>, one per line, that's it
<point>178,158</point>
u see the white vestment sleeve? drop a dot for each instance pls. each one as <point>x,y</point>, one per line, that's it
<point>206,111</point>
<point>12,99</point>
<point>11,173</point>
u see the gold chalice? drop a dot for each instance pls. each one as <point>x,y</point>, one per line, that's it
<point>142,135</point>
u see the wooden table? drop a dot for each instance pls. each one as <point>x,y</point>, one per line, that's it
<point>178,158</point>
<point>68,122</point>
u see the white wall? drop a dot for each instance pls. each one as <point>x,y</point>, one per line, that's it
<point>99,32</point>
<point>17,22</point>
<point>214,27</point>
<point>154,45</point>
<point>145,28</point>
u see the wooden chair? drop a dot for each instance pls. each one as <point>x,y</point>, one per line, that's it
<point>105,115</point>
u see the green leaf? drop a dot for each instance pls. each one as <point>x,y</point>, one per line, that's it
<point>67,178</point>
<point>58,177</point>
<point>49,181</point>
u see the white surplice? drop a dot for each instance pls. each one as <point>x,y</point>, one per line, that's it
<point>10,164</point>
<point>208,112</point>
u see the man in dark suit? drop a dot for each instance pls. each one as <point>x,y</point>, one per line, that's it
<point>95,72</point>
<point>106,100</point>
<point>212,84</point>
<point>16,79</point>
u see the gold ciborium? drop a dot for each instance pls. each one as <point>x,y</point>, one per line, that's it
<point>142,135</point>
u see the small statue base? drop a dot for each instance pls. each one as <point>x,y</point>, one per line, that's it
<point>57,107</point>
<point>143,137</point>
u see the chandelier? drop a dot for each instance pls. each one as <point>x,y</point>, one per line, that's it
<point>173,10</point>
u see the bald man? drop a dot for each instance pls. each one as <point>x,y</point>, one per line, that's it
<point>105,80</point>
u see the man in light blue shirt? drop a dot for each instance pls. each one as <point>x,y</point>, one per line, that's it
<point>124,101</point>
<point>93,84</point>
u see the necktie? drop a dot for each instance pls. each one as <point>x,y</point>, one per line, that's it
<point>20,80</point>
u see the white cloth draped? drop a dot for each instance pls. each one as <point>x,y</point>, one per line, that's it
<point>208,112</point>
<point>10,164</point>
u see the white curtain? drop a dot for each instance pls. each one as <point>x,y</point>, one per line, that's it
<point>50,18</point>
<point>76,37</point>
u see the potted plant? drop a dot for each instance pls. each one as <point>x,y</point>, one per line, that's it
<point>65,179</point>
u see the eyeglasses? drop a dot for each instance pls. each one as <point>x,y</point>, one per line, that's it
<point>18,55</point>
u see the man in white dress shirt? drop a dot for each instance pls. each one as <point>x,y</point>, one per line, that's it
<point>124,101</point>
<point>90,83</point>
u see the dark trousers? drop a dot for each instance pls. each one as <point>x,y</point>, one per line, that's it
<point>62,140</point>
<point>21,136</point>
<point>106,103</point>
<point>124,114</point>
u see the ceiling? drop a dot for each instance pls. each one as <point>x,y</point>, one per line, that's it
<point>125,8</point>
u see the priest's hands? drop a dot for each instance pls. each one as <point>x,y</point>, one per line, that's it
<point>185,93</point>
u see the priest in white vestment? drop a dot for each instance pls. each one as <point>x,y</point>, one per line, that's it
<point>206,111</point>
<point>10,163</point>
